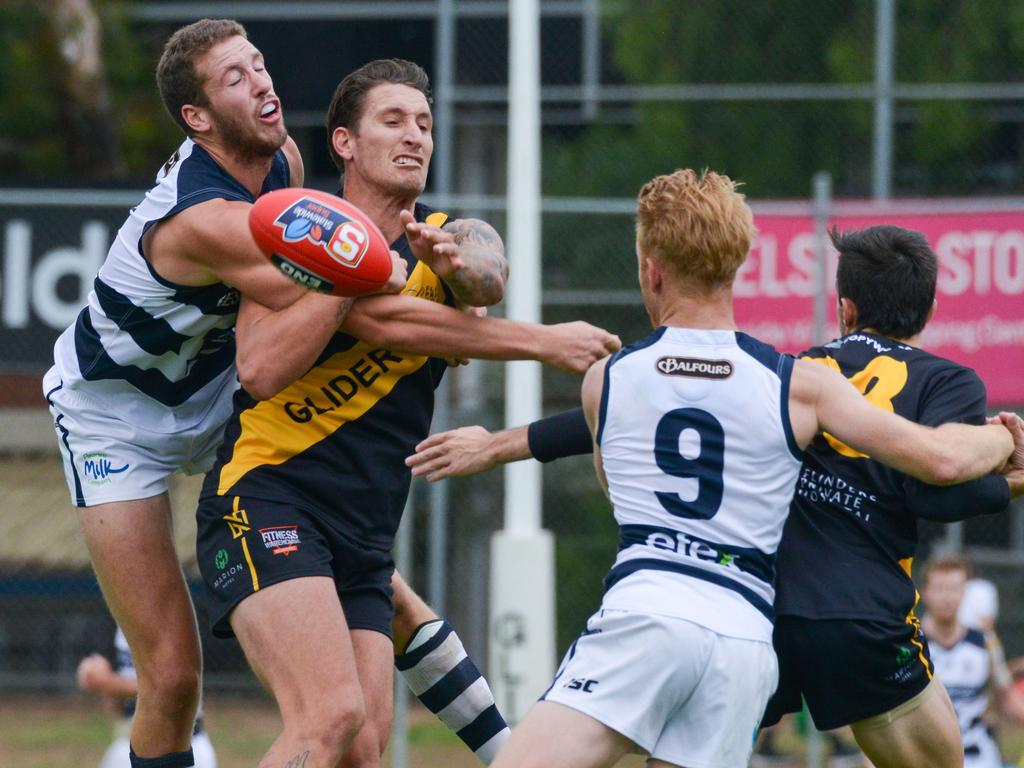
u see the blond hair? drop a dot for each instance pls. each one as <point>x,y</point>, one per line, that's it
<point>948,562</point>
<point>699,227</point>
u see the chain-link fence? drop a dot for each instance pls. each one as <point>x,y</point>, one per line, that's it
<point>908,100</point>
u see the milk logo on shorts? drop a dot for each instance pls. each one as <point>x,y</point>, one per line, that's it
<point>281,539</point>
<point>345,240</point>
<point>98,468</point>
<point>694,367</point>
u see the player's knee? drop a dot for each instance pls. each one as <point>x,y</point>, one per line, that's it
<point>172,685</point>
<point>337,724</point>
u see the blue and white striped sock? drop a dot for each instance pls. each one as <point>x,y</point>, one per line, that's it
<point>446,680</point>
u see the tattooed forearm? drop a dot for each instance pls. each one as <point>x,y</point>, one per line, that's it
<point>481,280</point>
<point>298,761</point>
<point>343,310</point>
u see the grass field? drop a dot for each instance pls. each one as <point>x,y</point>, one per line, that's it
<point>73,732</point>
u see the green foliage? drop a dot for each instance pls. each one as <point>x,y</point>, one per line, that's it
<point>31,144</point>
<point>775,147</point>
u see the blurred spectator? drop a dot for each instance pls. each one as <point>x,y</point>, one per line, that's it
<point>969,661</point>
<point>116,683</point>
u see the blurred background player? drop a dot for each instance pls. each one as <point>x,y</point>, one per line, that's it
<point>118,685</point>
<point>968,663</point>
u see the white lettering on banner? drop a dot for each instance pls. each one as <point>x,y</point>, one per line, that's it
<point>973,335</point>
<point>22,280</point>
<point>764,275</point>
<point>17,254</point>
<point>981,261</point>
<point>970,336</point>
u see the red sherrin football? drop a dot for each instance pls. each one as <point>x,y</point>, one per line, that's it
<point>321,241</point>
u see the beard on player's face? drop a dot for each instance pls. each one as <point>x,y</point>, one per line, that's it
<point>246,138</point>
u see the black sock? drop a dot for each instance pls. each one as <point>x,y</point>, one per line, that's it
<point>170,760</point>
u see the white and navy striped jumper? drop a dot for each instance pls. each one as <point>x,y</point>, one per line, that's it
<point>701,462</point>
<point>142,334</point>
<point>965,668</point>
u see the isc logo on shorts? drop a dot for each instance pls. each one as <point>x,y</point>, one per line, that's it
<point>581,684</point>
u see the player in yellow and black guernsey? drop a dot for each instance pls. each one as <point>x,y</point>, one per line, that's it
<point>846,632</point>
<point>297,518</point>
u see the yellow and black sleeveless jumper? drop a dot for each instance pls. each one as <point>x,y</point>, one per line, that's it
<point>335,440</point>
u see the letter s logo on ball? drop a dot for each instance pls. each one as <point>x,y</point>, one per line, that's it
<point>349,243</point>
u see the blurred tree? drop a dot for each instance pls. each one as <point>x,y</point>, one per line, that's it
<point>88,129</point>
<point>77,98</point>
<point>942,147</point>
<point>775,147</point>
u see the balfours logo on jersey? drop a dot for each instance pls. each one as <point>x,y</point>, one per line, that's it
<point>345,240</point>
<point>695,367</point>
<point>281,539</point>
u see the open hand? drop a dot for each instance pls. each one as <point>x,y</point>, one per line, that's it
<point>455,453</point>
<point>432,245</point>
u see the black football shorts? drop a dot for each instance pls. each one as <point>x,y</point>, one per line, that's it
<point>246,544</point>
<point>846,669</point>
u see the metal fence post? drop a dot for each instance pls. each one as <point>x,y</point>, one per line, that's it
<point>885,24</point>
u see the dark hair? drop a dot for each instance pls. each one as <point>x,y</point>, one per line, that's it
<point>889,273</point>
<point>176,75</point>
<point>349,98</point>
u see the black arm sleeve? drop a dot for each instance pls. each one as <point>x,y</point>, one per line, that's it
<point>958,396</point>
<point>564,434</point>
<point>987,495</point>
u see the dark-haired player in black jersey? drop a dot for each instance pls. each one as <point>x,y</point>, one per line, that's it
<point>846,634</point>
<point>298,516</point>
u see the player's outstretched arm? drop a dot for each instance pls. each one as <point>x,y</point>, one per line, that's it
<point>467,451</point>
<point>821,398</point>
<point>466,253</point>
<point>420,327</point>
<point>470,450</point>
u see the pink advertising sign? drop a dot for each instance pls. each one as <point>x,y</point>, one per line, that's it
<point>980,317</point>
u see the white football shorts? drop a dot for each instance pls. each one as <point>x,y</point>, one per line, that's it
<point>107,459</point>
<point>679,691</point>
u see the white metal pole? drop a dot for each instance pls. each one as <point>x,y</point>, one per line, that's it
<point>523,379</point>
<point>522,613</point>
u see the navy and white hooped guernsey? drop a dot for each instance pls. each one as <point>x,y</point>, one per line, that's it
<point>701,461</point>
<point>140,333</point>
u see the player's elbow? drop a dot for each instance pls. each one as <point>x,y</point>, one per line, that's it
<point>947,468</point>
<point>258,378</point>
